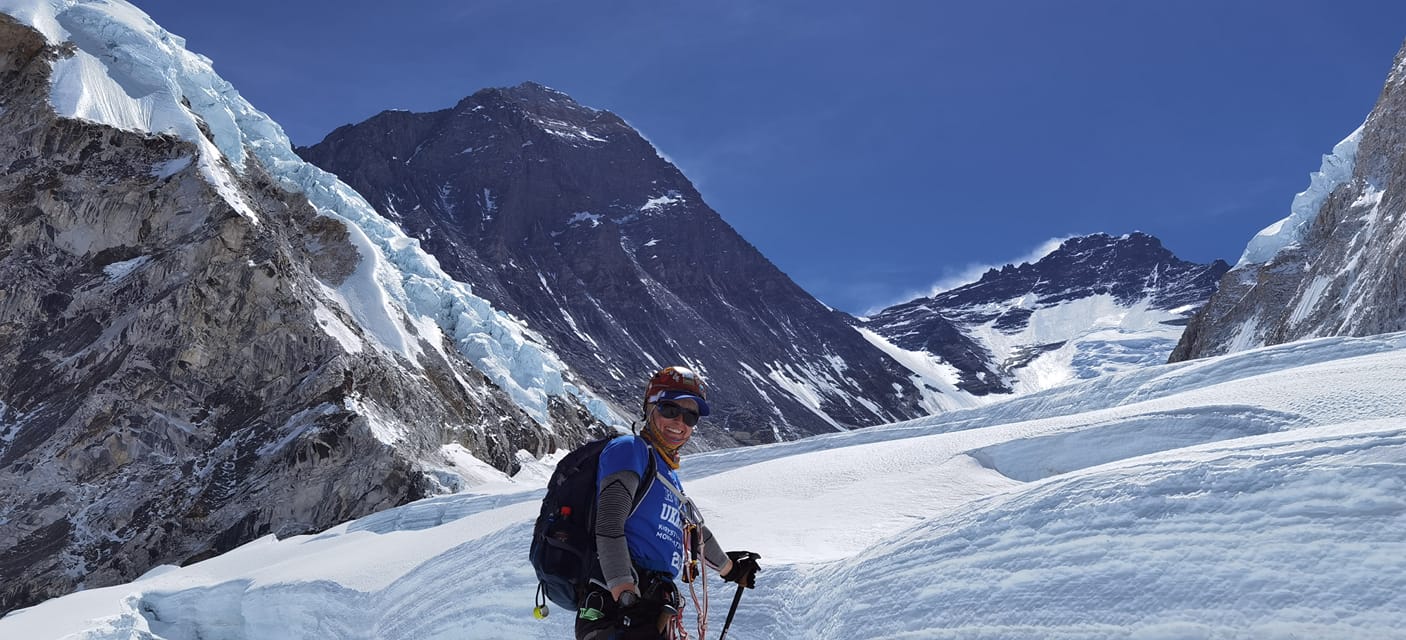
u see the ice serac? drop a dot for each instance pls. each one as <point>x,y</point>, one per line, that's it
<point>1336,266</point>
<point>566,217</point>
<point>1095,305</point>
<point>201,340</point>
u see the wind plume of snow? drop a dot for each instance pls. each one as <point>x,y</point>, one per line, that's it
<point>972,272</point>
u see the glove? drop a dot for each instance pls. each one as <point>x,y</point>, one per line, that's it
<point>634,612</point>
<point>744,568</point>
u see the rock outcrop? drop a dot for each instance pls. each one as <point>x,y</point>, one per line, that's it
<point>178,372</point>
<point>1337,265</point>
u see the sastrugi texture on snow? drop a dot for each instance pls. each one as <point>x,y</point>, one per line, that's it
<point>566,217</point>
<point>1337,264</point>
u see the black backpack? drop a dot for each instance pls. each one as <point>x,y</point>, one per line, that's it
<point>564,540</point>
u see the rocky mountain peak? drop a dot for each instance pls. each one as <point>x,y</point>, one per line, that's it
<point>528,95</point>
<point>1098,250</point>
<point>569,219</point>
<point>1127,267</point>
<point>553,111</point>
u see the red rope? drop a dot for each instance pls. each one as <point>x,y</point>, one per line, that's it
<point>701,608</point>
<point>699,574</point>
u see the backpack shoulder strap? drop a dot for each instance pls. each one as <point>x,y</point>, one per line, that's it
<point>647,480</point>
<point>690,513</point>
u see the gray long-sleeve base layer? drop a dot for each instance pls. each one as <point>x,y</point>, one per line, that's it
<point>613,506</point>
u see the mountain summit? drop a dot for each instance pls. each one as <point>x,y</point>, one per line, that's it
<point>567,218</point>
<point>1094,305</point>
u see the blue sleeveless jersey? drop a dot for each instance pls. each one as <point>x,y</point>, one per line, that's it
<point>654,531</point>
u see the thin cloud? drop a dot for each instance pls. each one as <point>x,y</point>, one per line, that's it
<point>657,150</point>
<point>972,272</point>
<point>954,277</point>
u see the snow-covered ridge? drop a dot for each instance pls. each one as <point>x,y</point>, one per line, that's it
<point>131,74</point>
<point>1287,232</point>
<point>1097,304</point>
<point>935,379</point>
<point>116,78</point>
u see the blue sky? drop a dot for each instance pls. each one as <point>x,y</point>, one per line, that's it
<point>873,149</point>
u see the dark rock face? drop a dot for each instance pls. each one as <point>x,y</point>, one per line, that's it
<point>167,391</point>
<point>1134,270</point>
<point>565,217</point>
<point>1129,268</point>
<point>1346,273</point>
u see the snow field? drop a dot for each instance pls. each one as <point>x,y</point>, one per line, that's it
<point>1269,537</point>
<point>1227,498</point>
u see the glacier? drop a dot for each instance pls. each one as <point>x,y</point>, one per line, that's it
<point>1335,170</point>
<point>131,74</point>
<point>1259,494</point>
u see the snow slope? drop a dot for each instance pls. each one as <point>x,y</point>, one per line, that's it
<point>1092,336</point>
<point>1256,495</point>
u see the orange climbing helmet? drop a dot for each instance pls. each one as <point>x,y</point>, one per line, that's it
<point>677,383</point>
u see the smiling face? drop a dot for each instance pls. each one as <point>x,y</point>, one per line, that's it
<point>673,431</point>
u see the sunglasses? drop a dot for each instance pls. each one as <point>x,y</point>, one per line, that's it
<point>670,411</point>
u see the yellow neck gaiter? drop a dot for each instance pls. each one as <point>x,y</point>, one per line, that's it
<point>669,454</point>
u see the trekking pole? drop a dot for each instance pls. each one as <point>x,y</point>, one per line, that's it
<point>732,612</point>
